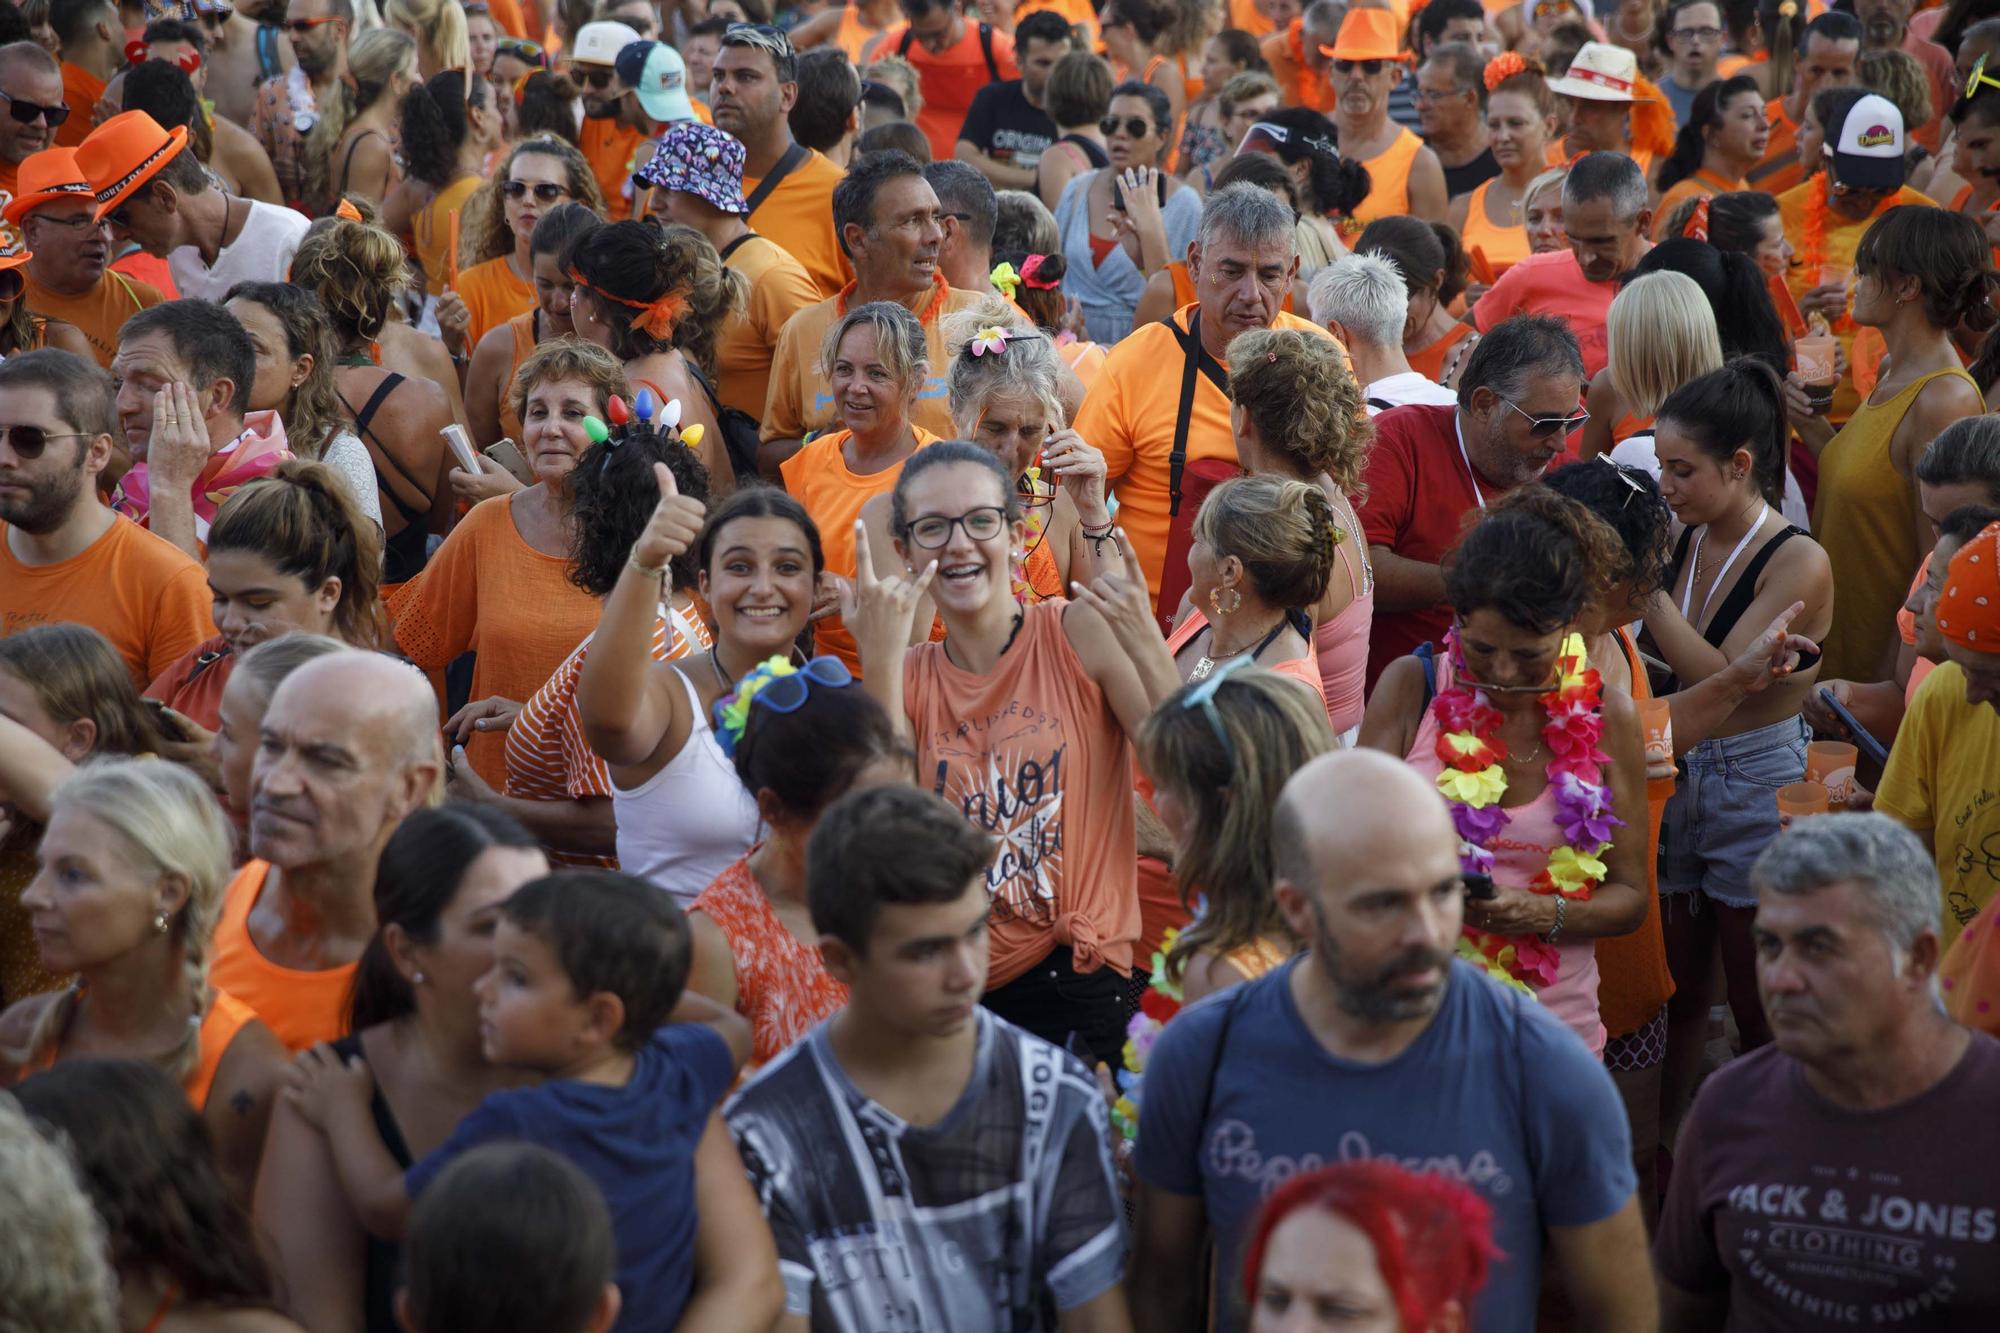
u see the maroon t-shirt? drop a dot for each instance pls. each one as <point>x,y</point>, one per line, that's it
<point>1812,1216</point>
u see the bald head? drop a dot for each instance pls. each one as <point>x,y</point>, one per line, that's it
<point>1353,809</point>
<point>348,747</point>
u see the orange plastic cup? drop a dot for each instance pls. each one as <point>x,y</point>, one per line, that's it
<point>1656,722</point>
<point>1799,799</point>
<point>1831,764</point>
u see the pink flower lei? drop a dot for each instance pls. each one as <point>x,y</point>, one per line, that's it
<point>1473,781</point>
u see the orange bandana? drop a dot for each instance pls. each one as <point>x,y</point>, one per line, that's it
<point>1968,612</point>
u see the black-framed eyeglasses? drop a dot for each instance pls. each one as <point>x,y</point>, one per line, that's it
<point>28,442</point>
<point>29,112</point>
<point>1543,427</point>
<point>983,524</point>
<point>75,222</point>
<point>1136,127</point>
<point>1367,68</point>
<point>1696,34</point>
<point>595,76</point>
<point>546,192</point>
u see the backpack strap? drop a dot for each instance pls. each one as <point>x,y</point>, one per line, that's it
<point>1427,654</point>
<point>909,40</point>
<point>986,49</point>
<point>790,162</point>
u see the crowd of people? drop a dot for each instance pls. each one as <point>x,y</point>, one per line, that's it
<point>1155,665</point>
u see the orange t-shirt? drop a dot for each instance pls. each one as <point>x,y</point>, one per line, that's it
<point>100,312</point>
<point>149,269</point>
<point>1781,169</point>
<point>779,287</point>
<point>81,89</point>
<point>817,476</point>
<point>800,400</point>
<point>949,79</point>
<point>1389,174</point>
<point>1553,284</point>
<point>1702,182</point>
<point>432,230</point>
<point>192,686</point>
<point>1033,755</point>
<point>493,294</point>
<point>488,592</point>
<point>797,217</point>
<point>853,36</point>
<point>299,1007</point>
<point>143,593</point>
<point>1130,413</point>
<point>507,13</point>
<point>609,145</point>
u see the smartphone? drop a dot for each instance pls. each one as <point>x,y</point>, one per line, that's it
<point>1479,888</point>
<point>508,456</point>
<point>1118,191</point>
<point>461,447</point>
<point>1857,733</point>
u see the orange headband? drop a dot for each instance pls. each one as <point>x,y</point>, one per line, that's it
<point>656,318</point>
<point>1697,223</point>
<point>1968,611</point>
<point>1502,68</point>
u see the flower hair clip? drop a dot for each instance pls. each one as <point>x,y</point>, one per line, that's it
<point>1504,67</point>
<point>992,339</point>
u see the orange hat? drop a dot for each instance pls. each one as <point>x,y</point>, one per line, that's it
<point>47,177</point>
<point>1968,611</point>
<point>124,153</point>
<point>1367,34</point>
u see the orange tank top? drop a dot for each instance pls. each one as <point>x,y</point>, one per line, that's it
<point>1033,754</point>
<point>300,1007</point>
<point>1430,361</point>
<point>226,1017</point>
<point>1503,247</point>
<point>523,329</point>
<point>853,36</point>
<point>1632,977</point>
<point>1389,170</point>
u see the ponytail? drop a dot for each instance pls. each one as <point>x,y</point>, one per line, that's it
<point>301,518</point>
<point>1741,406</point>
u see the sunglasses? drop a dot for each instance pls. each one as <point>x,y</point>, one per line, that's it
<point>982,524</point>
<point>1632,487</point>
<point>519,48</point>
<point>1202,695</point>
<point>787,694</point>
<point>1543,427</point>
<point>1368,68</point>
<point>1136,127</point>
<point>595,77</point>
<point>12,284</point>
<point>1979,76</point>
<point>29,112</point>
<point>28,442</point>
<point>300,27</point>
<point>546,192</point>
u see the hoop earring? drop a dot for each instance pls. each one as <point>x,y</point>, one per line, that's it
<point>1215,601</point>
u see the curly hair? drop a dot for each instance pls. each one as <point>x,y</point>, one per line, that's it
<point>640,262</point>
<point>1283,531</point>
<point>485,230</point>
<point>1274,728</point>
<point>434,122</point>
<point>356,269</point>
<point>311,411</point>
<point>569,358</point>
<point>301,518</point>
<point>55,1265</point>
<point>1298,391</point>
<point>1536,559</point>
<point>165,822</point>
<point>146,1162</point>
<point>612,495</point>
<point>1628,500</point>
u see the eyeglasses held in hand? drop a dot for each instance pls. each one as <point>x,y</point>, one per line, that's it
<point>1543,427</point>
<point>28,442</point>
<point>985,523</point>
<point>546,192</point>
<point>29,112</point>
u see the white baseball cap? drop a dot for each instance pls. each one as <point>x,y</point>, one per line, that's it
<point>1868,151</point>
<point>599,43</point>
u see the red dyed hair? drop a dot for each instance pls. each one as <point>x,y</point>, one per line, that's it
<point>1433,1237</point>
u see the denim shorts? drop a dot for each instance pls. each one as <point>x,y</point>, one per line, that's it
<point>1726,810</point>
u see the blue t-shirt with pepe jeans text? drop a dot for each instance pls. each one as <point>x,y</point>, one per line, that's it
<point>1495,1092</point>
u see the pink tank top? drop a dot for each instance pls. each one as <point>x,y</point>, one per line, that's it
<point>1341,644</point>
<point>1520,853</point>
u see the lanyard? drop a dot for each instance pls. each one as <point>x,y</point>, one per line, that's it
<point>1687,593</point>
<point>1466,458</point>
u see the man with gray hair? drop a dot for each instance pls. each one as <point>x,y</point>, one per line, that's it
<point>1520,396</point>
<point>1362,301</point>
<point>970,210</point>
<point>1159,407</point>
<point>1842,1175</point>
<point>1607,212</point>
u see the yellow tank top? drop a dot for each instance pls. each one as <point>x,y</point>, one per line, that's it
<point>1503,247</point>
<point>432,230</point>
<point>1861,515</point>
<point>1389,174</point>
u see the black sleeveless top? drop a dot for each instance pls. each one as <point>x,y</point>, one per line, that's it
<point>1739,598</point>
<point>381,1259</point>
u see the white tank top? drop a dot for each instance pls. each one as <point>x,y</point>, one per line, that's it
<point>690,821</point>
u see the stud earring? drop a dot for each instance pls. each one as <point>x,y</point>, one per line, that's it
<point>160,922</point>
<point>416,978</point>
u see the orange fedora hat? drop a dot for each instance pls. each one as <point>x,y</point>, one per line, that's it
<point>47,177</point>
<point>124,153</point>
<point>1367,34</point>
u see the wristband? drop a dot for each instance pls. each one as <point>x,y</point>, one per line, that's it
<point>1556,929</point>
<point>632,562</point>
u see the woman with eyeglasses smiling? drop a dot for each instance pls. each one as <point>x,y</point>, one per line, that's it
<point>1021,716</point>
<point>537,177</point>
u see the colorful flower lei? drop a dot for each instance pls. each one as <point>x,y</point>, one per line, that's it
<point>1161,1001</point>
<point>1473,781</point>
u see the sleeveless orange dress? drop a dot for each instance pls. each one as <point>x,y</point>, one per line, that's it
<point>1430,361</point>
<point>300,1007</point>
<point>1503,247</point>
<point>1389,196</point>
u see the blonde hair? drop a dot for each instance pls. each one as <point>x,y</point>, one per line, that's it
<point>1283,531</point>
<point>485,234</point>
<point>568,358</point>
<point>356,269</point>
<point>55,1256</point>
<point>169,824</point>
<point>1553,176</point>
<point>372,61</point>
<point>1029,366</point>
<point>442,40</point>
<point>1299,393</point>
<point>1900,77</point>
<point>1659,335</point>
<point>901,75</point>
<point>899,343</point>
